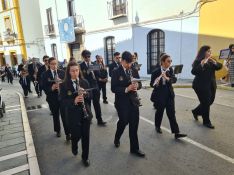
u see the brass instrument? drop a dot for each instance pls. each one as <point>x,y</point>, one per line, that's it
<point>134,95</point>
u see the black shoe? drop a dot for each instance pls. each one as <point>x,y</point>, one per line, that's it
<point>86,163</point>
<point>195,116</point>
<point>38,96</point>
<point>101,123</point>
<point>117,143</point>
<point>138,153</point>
<point>58,134</point>
<point>178,135</point>
<point>74,151</point>
<point>30,91</point>
<point>68,137</point>
<point>209,125</point>
<point>105,101</point>
<point>158,130</point>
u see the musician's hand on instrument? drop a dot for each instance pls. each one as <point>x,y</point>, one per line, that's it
<point>203,62</point>
<point>212,60</point>
<point>165,76</point>
<point>79,99</point>
<point>131,87</point>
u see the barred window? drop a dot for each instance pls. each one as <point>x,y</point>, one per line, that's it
<point>109,45</point>
<point>155,46</point>
<point>54,51</point>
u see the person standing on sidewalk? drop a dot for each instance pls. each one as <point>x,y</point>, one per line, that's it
<point>127,109</point>
<point>50,80</point>
<point>163,95</point>
<point>24,82</point>
<point>204,83</point>
<point>102,77</point>
<point>9,74</point>
<point>75,104</point>
<point>91,78</point>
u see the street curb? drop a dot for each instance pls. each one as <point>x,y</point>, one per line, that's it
<point>222,87</point>
<point>31,153</point>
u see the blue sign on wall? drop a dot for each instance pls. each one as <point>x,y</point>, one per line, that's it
<point>66,30</point>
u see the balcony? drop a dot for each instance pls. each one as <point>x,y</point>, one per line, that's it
<point>9,36</point>
<point>117,10</point>
<point>49,30</point>
<point>79,24</point>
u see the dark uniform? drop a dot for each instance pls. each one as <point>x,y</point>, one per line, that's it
<point>163,97</point>
<point>91,78</point>
<point>102,77</point>
<point>41,70</point>
<point>53,99</point>
<point>32,68</point>
<point>204,84</point>
<point>113,66</point>
<point>128,111</point>
<point>24,82</point>
<point>80,126</point>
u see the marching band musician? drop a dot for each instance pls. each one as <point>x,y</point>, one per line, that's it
<point>41,70</point>
<point>102,77</point>
<point>79,121</point>
<point>127,109</point>
<point>163,95</point>
<point>91,78</point>
<point>50,80</point>
<point>204,83</point>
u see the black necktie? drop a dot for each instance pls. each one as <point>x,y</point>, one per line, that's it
<point>75,84</point>
<point>55,74</point>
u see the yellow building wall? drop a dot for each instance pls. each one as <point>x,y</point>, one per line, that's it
<point>216,27</point>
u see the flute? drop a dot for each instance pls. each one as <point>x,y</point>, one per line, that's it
<point>156,82</point>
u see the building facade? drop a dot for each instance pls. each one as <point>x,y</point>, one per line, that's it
<point>147,27</point>
<point>20,31</point>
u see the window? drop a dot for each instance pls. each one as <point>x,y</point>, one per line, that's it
<point>2,59</point>
<point>155,46</point>
<point>70,7</point>
<point>14,60</point>
<point>54,51</point>
<point>50,20</point>
<point>7,22</point>
<point>119,7</point>
<point>109,49</point>
<point>4,4</point>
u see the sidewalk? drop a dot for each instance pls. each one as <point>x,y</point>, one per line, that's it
<point>183,83</point>
<point>17,152</point>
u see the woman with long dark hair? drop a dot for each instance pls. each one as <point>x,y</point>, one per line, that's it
<point>204,83</point>
<point>77,109</point>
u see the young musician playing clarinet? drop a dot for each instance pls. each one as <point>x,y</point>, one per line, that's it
<point>78,109</point>
<point>163,95</point>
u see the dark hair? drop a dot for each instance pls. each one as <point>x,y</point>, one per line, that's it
<point>161,54</point>
<point>136,55</point>
<point>46,56</point>
<point>116,54</point>
<point>230,48</point>
<point>97,56</point>
<point>164,57</point>
<point>72,59</point>
<point>127,56</point>
<point>202,53</point>
<point>67,73</point>
<point>52,59</point>
<point>85,53</point>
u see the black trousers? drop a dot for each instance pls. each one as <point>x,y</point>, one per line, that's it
<point>84,130</point>
<point>56,109</point>
<point>102,87</point>
<point>128,115</point>
<point>96,104</point>
<point>206,99</point>
<point>167,102</point>
<point>25,89</point>
<point>36,86</point>
<point>10,79</point>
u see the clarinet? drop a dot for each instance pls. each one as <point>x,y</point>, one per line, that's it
<point>80,91</point>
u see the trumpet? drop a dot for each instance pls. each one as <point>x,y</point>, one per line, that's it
<point>134,95</point>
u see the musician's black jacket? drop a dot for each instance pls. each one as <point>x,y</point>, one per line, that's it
<point>157,93</point>
<point>113,66</point>
<point>119,82</point>
<point>41,70</point>
<point>205,75</point>
<point>47,85</point>
<point>31,71</point>
<point>67,96</point>
<point>90,77</point>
